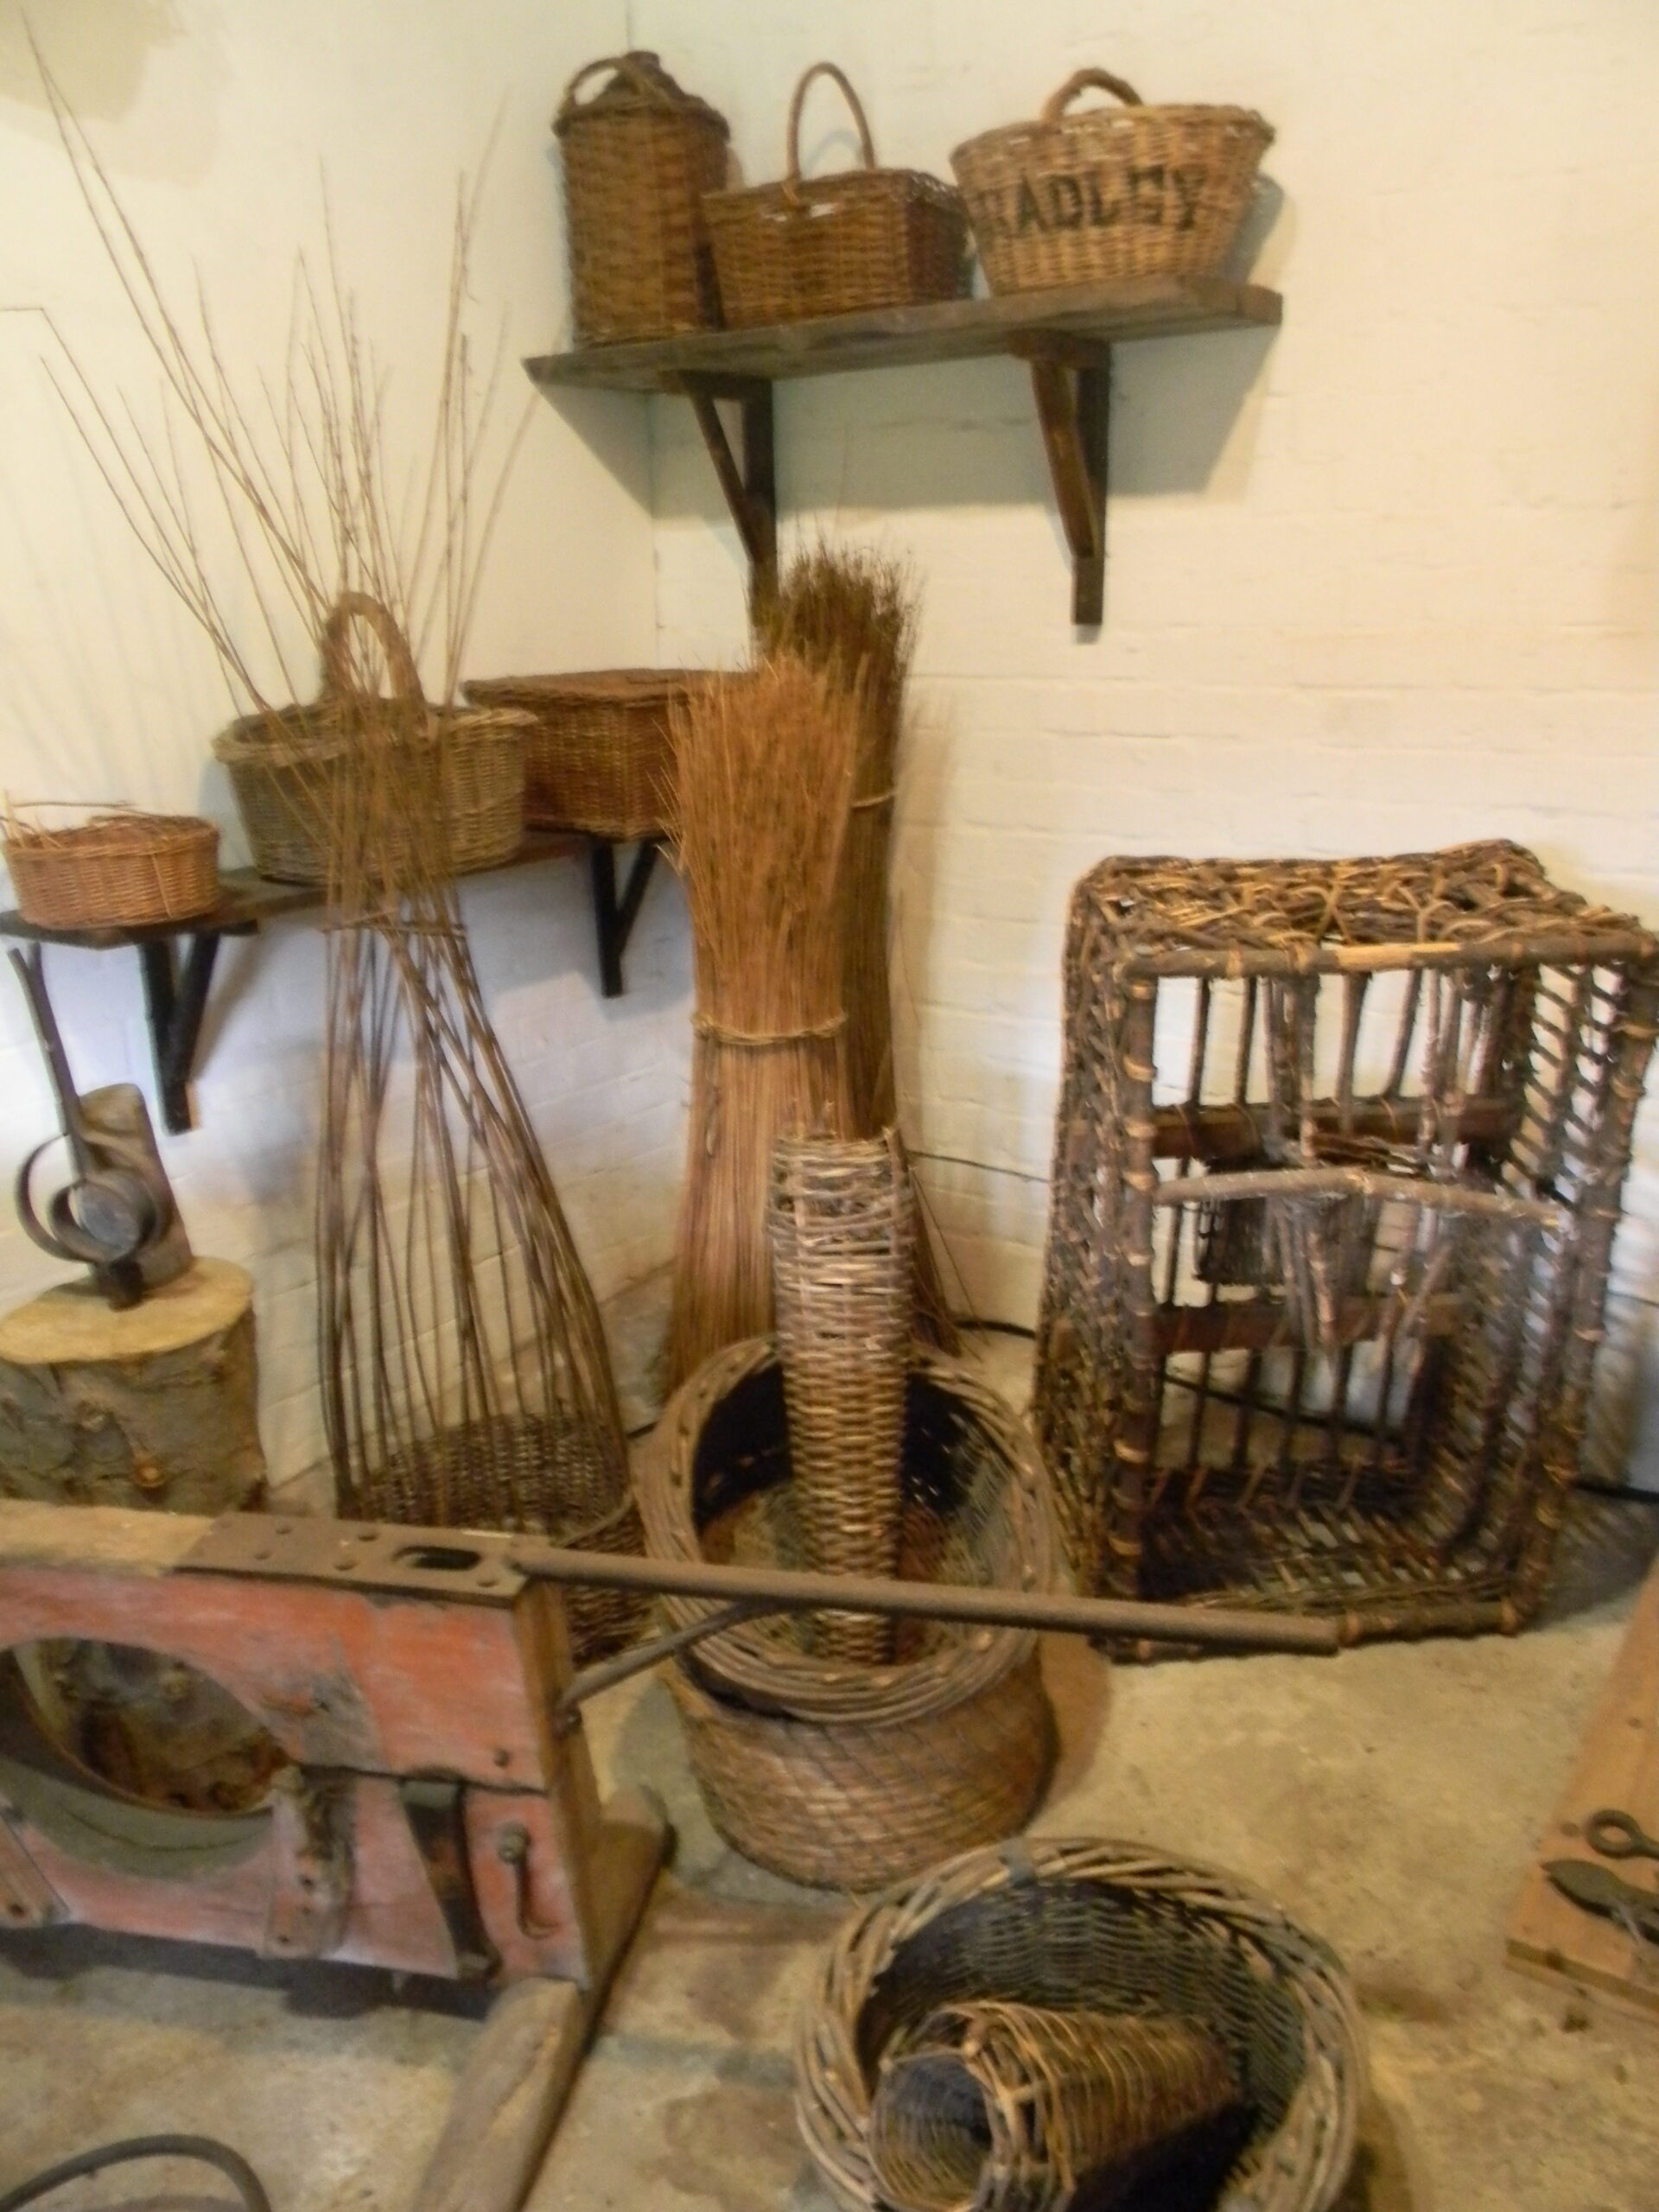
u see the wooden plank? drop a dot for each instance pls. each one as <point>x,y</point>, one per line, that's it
<point>1618,1765</point>
<point>947,330</point>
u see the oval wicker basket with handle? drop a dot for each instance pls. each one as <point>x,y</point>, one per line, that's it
<point>639,156</point>
<point>1098,1926</point>
<point>118,869</point>
<point>286,764</point>
<point>862,238</point>
<point>1129,191</point>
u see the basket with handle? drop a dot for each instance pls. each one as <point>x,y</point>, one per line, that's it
<point>117,869</point>
<point>288,765</point>
<point>1129,191</point>
<point>861,238</point>
<point>639,156</point>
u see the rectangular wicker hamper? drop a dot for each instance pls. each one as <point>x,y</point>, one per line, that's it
<point>598,756</point>
<point>1338,1166</point>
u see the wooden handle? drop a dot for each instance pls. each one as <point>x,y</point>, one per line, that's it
<point>1083,80</point>
<point>360,607</point>
<point>644,81</point>
<point>866,145</point>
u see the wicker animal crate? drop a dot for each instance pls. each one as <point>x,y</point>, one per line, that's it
<point>1134,191</point>
<point>867,238</point>
<point>1338,1166</point>
<point>287,765</point>
<point>599,754</point>
<point>639,156</point>
<point>118,869</point>
<point>1090,1925</point>
<point>830,1772</point>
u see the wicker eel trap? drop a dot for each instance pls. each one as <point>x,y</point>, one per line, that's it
<point>1338,1165</point>
<point>831,1772</point>
<point>1087,1929</point>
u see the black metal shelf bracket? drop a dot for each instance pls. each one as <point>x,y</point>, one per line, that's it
<point>176,998</point>
<point>750,486</point>
<point>1072,382</point>
<point>614,917</point>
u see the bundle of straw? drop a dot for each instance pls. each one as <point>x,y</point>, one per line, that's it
<point>852,615</point>
<point>764,769</point>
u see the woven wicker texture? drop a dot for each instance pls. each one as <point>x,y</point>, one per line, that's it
<point>843,1230</point>
<point>600,757</point>
<point>714,1482</point>
<point>1338,1166</point>
<point>849,1805</point>
<point>1093,1924</point>
<point>552,1478</point>
<point>639,156</point>
<point>1022,2109</point>
<point>289,765</point>
<point>1132,191</point>
<point>868,237</point>
<point>115,871</point>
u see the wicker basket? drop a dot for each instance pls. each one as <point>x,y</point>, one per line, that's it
<point>1101,1925</point>
<point>600,754</point>
<point>1133,191</point>
<point>841,1225</point>
<point>714,1482</point>
<point>117,870</point>
<point>286,763</point>
<point>864,239</point>
<point>637,159</point>
<point>540,1476</point>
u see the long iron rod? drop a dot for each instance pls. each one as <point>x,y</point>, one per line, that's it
<point>790,1590</point>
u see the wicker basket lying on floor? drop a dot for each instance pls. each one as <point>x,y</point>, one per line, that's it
<point>600,755</point>
<point>542,1477</point>
<point>1338,1165</point>
<point>824,1769</point>
<point>1132,191</point>
<point>1094,1925</point>
<point>117,870</point>
<point>639,156</point>
<point>863,239</point>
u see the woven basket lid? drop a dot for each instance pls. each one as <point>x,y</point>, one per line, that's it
<point>638,86</point>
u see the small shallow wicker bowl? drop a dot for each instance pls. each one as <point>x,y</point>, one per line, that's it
<point>1104,1926</point>
<point>117,870</point>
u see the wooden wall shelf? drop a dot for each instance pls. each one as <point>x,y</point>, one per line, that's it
<point>1065,337</point>
<point>176,959</point>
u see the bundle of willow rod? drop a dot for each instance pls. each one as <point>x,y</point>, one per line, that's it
<point>463,1369</point>
<point>764,768</point>
<point>852,614</point>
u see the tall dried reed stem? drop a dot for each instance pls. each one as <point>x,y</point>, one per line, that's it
<point>851,614</point>
<point>764,769</point>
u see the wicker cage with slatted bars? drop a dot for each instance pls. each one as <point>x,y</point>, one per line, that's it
<point>1338,1166</point>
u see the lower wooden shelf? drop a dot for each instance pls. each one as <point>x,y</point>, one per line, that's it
<point>176,959</point>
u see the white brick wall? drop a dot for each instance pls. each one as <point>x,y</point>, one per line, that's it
<point>216,128</point>
<point>1385,579</point>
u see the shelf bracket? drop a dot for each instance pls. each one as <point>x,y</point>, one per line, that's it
<point>751,487</point>
<point>176,998</point>
<point>1071,380</point>
<point>614,917</point>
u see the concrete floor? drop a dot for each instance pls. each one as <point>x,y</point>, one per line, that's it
<point>1390,1797</point>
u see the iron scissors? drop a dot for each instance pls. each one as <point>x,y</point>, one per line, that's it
<point>1614,1834</point>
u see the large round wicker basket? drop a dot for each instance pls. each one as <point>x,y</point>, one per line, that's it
<point>1105,1926</point>
<point>715,1482</point>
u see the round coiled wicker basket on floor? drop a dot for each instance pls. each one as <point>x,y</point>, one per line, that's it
<point>1099,1925</point>
<point>828,1771</point>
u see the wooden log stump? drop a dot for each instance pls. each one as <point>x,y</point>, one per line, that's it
<point>156,1406</point>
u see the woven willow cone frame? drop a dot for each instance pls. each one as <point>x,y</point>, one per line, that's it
<point>842,1233</point>
<point>853,614</point>
<point>1010,2108</point>
<point>763,775</point>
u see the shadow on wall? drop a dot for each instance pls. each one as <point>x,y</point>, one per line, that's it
<point>100,52</point>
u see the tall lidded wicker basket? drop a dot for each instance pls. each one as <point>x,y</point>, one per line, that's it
<point>639,156</point>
